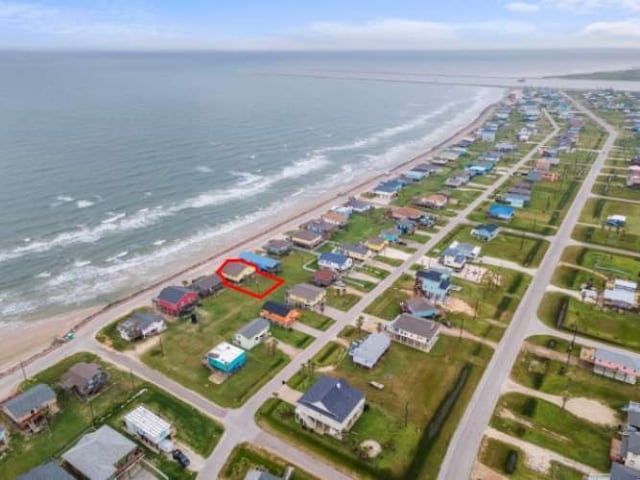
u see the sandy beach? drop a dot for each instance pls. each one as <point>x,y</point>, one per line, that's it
<point>24,342</point>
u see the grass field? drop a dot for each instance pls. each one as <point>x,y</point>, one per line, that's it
<point>246,456</point>
<point>387,305</point>
<point>343,301</point>
<point>615,186</point>
<point>393,262</point>
<point>608,237</point>
<point>316,320</point>
<point>193,428</point>
<point>294,338</point>
<point>415,383</point>
<point>519,222</point>
<point>596,212</point>
<point>605,263</point>
<point>363,225</point>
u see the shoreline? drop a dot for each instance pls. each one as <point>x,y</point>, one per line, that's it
<point>34,346</point>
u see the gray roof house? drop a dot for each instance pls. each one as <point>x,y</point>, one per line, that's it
<point>331,406</point>
<point>84,378</point>
<point>141,325</point>
<point>102,455</point>
<point>369,351</point>
<point>416,332</point>
<point>255,474</point>
<point>48,471</point>
<point>252,334</point>
<point>207,284</point>
<point>32,405</point>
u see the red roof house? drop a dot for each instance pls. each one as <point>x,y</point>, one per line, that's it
<point>174,300</point>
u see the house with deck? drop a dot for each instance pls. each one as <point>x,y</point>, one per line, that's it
<point>387,190</point>
<point>335,261</point>
<point>358,206</point>
<point>331,406</point>
<point>238,272</point>
<point>355,251</point>
<point>207,285</point>
<point>321,227</point>
<point>376,244</point>
<point>485,232</point>
<point>324,277</point>
<point>140,325</point>
<point>435,201</point>
<point>225,358</point>
<point>30,409</point>
<point>150,429</point>
<point>265,264</point>
<point>306,296</point>
<point>47,471</point>
<point>434,283</point>
<point>175,300</point>
<point>279,314</point>
<point>415,332</point>
<point>252,334</point>
<point>621,295</point>
<point>84,379</point>
<point>336,218</point>
<point>611,364</point>
<point>306,239</point>
<point>278,247</point>
<point>501,212</point>
<point>420,306</point>
<point>366,353</point>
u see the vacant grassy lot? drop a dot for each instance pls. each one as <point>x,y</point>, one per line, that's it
<point>247,456</point>
<point>597,210</point>
<point>330,354</point>
<point>415,383</point>
<point>551,427</point>
<point>604,263</point>
<point>74,420</point>
<point>612,327</point>
<point>609,237</point>
<point>344,301</point>
<point>387,305</point>
<point>615,186</point>
<point>374,272</point>
<point>519,222</point>
<point>393,262</point>
<point>592,137</point>
<point>294,338</point>
<point>364,225</point>
<point>507,245</point>
<point>316,320</point>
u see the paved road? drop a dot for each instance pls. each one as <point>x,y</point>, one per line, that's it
<point>461,454</point>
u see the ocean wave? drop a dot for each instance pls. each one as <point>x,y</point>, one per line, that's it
<point>61,199</point>
<point>81,263</point>
<point>117,256</point>
<point>84,203</point>
<point>203,169</point>
<point>157,243</point>
<point>43,275</point>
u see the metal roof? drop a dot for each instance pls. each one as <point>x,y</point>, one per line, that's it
<point>32,399</point>
<point>225,353</point>
<point>254,328</point>
<point>48,471</point>
<point>260,260</point>
<point>418,326</point>
<point>332,397</point>
<point>369,351</point>
<point>173,294</point>
<point>306,291</point>
<point>148,423</point>
<point>278,308</point>
<point>616,359</point>
<point>255,474</point>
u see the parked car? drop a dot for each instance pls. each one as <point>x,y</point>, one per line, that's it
<point>402,243</point>
<point>181,458</point>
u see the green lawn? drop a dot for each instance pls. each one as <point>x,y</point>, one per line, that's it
<point>246,456</point>
<point>394,262</point>
<point>603,263</point>
<point>364,225</point>
<point>615,186</point>
<point>110,336</point>
<point>572,278</point>
<point>294,338</point>
<point>416,383</point>
<point>549,426</point>
<point>608,237</point>
<point>597,210</point>
<point>315,320</point>
<point>330,354</point>
<point>374,272</point>
<point>612,327</point>
<point>387,305</point>
<point>343,301</point>
<point>362,285</point>
<point>124,392</point>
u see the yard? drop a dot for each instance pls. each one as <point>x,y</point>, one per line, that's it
<point>315,320</point>
<point>604,263</point>
<point>109,334</point>
<point>341,301</point>
<point>416,383</point>
<point>364,225</point>
<point>615,186</point>
<point>246,456</point>
<point>195,429</point>
<point>520,221</point>
<point>387,305</point>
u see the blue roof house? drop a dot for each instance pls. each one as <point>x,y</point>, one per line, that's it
<point>266,264</point>
<point>435,284</point>
<point>387,189</point>
<point>485,232</point>
<point>335,261</point>
<point>405,225</point>
<point>479,168</point>
<point>415,175</point>
<point>226,358</point>
<point>533,176</point>
<point>488,135</point>
<point>501,212</point>
<point>515,200</point>
<point>391,235</point>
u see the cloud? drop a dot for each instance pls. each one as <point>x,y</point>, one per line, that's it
<point>616,30</point>
<point>590,6</point>
<point>522,7</point>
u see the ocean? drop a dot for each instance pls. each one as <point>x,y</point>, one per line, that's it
<point>117,168</point>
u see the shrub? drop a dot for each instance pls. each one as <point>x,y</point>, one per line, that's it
<point>512,462</point>
<point>529,407</point>
<point>597,209</point>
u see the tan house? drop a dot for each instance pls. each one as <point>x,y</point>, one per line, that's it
<point>435,200</point>
<point>306,239</point>
<point>30,409</point>
<point>402,213</point>
<point>237,272</point>
<point>335,218</point>
<point>306,295</point>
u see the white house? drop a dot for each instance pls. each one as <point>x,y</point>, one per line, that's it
<point>143,423</point>
<point>331,406</point>
<point>252,334</point>
<point>335,261</point>
<point>416,332</point>
<point>141,325</point>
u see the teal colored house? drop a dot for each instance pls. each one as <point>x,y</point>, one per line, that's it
<point>501,212</point>
<point>391,235</point>
<point>226,358</point>
<point>435,284</point>
<point>486,232</point>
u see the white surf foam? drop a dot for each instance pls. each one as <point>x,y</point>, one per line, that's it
<point>203,169</point>
<point>84,203</point>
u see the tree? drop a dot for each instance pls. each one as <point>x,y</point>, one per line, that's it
<point>359,323</point>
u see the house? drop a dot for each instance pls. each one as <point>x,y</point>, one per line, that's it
<point>405,226</point>
<point>306,296</point>
<point>141,325</point>
<point>548,176</point>
<point>479,168</point>
<point>255,474</point>
<point>343,210</point>
<point>611,364</point>
<point>278,247</point>
<point>515,200</point>
<point>252,334</point>
<point>485,232</point>
<point>335,218</point>
<point>416,175</point>
<point>458,180</point>
<point>226,358</point>
<point>323,277</point>
<point>279,313</point>
<point>434,283</point>
<point>451,258</point>
<point>306,239</point>
<point>175,300</point>
<point>30,408</point>
<point>325,229</point>
<point>500,212</point>
<point>387,190</point>
<point>207,285</point>
<point>355,251</point>
<point>622,295</point>
<point>48,471</point>
<point>420,307</point>
<point>469,250</point>
<point>543,165</point>
<point>103,455</point>
<point>391,236</point>
<point>435,200</point>
<point>237,272</point>
<point>488,135</point>
<point>616,220</point>
<point>415,332</point>
<point>505,147</point>
<point>369,351</point>
<point>358,206</point>
<point>376,244</point>
<point>85,379</point>
<point>331,406</point>
<point>154,431</point>
<point>402,213</point>
<point>335,261</point>
<point>265,264</point>
<point>533,176</point>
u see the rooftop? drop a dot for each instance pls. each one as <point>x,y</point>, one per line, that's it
<point>254,327</point>
<point>225,353</point>
<point>332,397</point>
<point>148,422</point>
<point>32,399</point>
<point>418,326</point>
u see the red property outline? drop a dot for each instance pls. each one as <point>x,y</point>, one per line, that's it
<point>277,281</point>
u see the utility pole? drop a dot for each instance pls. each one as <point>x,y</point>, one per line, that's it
<point>571,345</point>
<point>161,345</point>
<point>24,372</point>
<point>461,329</point>
<point>406,414</point>
<point>475,312</point>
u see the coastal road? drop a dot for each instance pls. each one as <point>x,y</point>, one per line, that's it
<point>462,451</point>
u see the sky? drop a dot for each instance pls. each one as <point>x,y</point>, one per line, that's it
<point>318,25</point>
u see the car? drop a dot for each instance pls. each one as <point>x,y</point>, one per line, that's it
<point>401,243</point>
<point>181,458</point>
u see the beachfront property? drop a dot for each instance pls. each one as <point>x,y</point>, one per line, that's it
<point>435,201</point>
<point>335,218</point>
<point>457,180</point>
<point>357,205</point>
<point>237,272</point>
<point>355,251</point>
<point>323,277</point>
<point>279,313</point>
<point>501,212</point>
<point>331,406</point>
<point>30,409</point>
<point>103,455</point>
<point>84,379</point>
<point>225,358</point>
<point>415,332</point>
<point>278,247</point>
<point>141,325</point>
<point>148,427</point>
<point>485,232</point>
<point>621,295</point>
<point>47,471</point>
<point>335,261</point>
<point>306,239</point>
<point>263,263</point>
<point>488,133</point>
<point>207,285</point>
<point>387,190</point>
<point>611,364</point>
<point>325,229</point>
<point>175,300</point>
<point>366,353</point>
<point>376,244</point>
<point>617,221</point>
<point>420,307</point>
<point>252,334</point>
<point>306,296</point>
<point>434,283</point>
